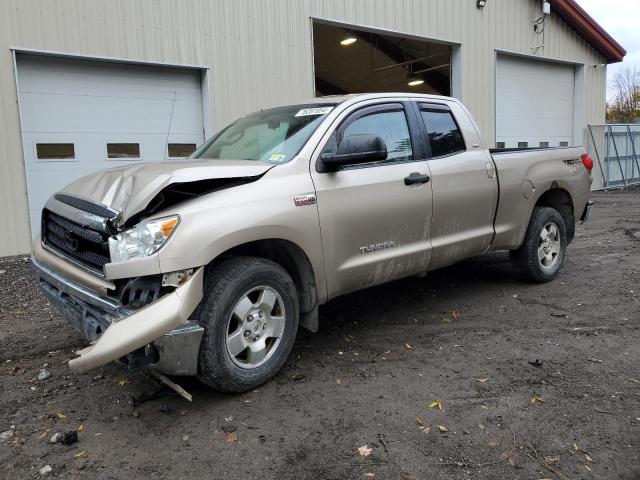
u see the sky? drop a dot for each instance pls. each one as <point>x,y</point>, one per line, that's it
<point>621,19</point>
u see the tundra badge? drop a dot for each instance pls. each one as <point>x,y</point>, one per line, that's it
<point>377,246</point>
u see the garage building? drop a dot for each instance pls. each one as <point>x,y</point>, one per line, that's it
<point>88,85</point>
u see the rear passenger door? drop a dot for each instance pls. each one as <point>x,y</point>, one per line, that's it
<point>463,181</point>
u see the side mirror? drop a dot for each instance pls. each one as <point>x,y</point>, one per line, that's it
<point>353,149</point>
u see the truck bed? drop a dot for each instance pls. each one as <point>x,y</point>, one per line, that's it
<point>525,173</point>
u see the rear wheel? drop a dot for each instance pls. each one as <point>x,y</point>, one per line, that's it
<point>541,254</point>
<point>250,319</point>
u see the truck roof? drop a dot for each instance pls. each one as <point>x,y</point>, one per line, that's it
<point>371,96</point>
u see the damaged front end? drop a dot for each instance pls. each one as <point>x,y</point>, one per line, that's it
<point>97,260</point>
<point>143,321</point>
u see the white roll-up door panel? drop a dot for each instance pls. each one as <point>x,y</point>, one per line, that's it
<point>90,104</point>
<point>534,102</point>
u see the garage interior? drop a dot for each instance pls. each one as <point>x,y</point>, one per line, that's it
<point>349,60</point>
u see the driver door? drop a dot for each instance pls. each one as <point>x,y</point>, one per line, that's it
<point>375,217</point>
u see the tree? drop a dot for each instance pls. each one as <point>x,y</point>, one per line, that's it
<point>625,106</point>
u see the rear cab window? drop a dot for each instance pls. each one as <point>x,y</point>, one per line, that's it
<point>443,134</point>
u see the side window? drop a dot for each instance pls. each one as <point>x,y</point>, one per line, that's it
<point>443,132</point>
<point>390,125</point>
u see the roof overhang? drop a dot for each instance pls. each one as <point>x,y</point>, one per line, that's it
<point>588,28</point>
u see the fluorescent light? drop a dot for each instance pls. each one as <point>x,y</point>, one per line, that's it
<point>414,82</point>
<point>348,41</point>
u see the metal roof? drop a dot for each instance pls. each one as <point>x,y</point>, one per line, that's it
<point>589,29</point>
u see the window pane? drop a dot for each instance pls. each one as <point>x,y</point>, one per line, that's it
<point>544,144</point>
<point>391,127</point>
<point>181,150</point>
<point>523,144</point>
<point>47,151</point>
<point>500,145</point>
<point>444,136</point>
<point>564,144</point>
<point>123,150</point>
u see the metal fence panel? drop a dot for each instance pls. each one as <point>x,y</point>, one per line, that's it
<point>616,150</point>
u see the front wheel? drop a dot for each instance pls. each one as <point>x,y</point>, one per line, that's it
<point>250,319</point>
<point>541,254</point>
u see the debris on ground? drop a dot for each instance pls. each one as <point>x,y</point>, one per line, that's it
<point>443,429</point>
<point>171,384</point>
<point>65,438</point>
<point>436,404</point>
<point>364,450</point>
<point>6,435</point>
<point>595,360</point>
<point>45,470</point>
<point>228,428</point>
<point>633,233</point>
<point>383,441</point>
<point>44,374</point>
<point>297,377</point>
<point>230,437</point>
<point>535,363</point>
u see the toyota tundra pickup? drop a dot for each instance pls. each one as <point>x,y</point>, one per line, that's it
<point>207,266</point>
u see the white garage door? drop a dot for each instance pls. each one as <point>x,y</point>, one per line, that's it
<point>534,103</point>
<point>80,116</point>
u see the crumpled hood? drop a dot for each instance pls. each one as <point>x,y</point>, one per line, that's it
<point>130,189</point>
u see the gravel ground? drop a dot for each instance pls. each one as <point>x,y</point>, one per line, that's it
<point>534,381</point>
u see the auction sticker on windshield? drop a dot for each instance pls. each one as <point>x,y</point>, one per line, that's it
<point>307,112</point>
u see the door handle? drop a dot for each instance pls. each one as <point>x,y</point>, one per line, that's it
<point>416,177</point>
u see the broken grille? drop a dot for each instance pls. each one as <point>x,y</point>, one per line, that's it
<point>83,245</point>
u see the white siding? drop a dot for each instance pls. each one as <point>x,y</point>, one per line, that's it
<point>260,54</point>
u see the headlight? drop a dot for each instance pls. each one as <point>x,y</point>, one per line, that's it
<point>142,240</point>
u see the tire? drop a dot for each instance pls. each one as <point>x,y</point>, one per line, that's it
<point>229,359</point>
<point>527,259</point>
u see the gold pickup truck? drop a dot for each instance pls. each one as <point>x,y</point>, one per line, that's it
<point>208,266</point>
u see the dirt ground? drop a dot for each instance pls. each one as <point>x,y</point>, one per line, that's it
<point>534,381</point>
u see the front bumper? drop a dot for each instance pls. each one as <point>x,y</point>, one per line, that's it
<point>116,331</point>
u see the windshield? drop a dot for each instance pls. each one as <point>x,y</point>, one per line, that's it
<point>275,135</point>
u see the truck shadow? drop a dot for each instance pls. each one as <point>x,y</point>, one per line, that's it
<point>373,311</point>
<point>446,289</point>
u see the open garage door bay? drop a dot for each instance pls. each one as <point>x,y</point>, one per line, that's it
<point>79,116</point>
